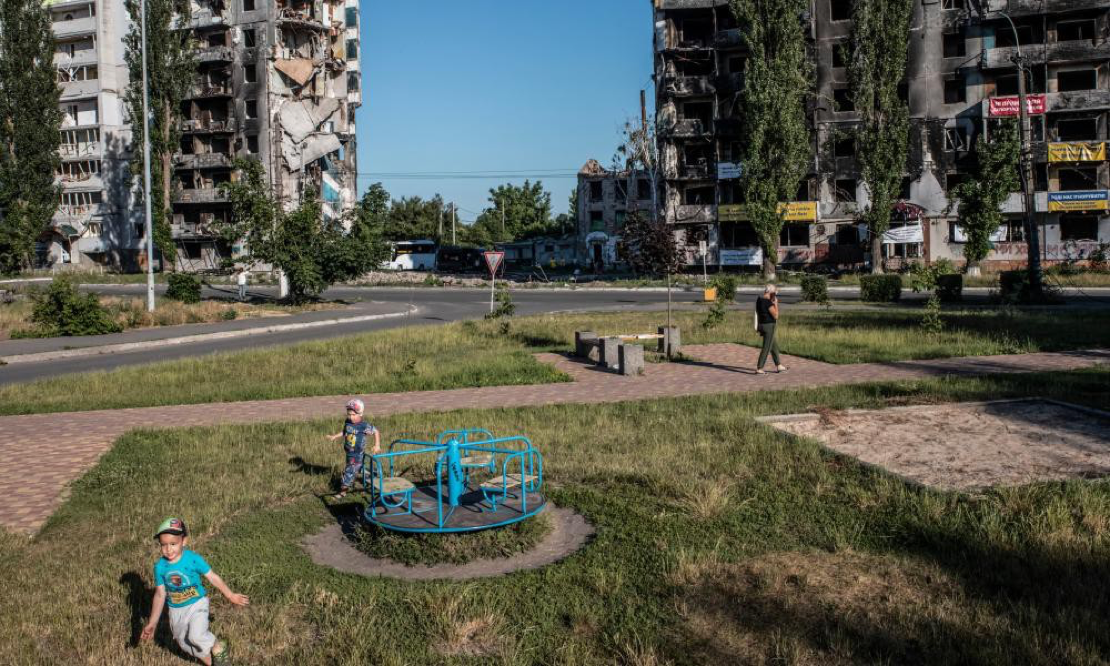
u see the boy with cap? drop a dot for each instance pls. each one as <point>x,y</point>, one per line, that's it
<point>177,576</point>
<point>354,433</point>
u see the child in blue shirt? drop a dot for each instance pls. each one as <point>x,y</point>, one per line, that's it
<point>354,433</point>
<point>177,576</point>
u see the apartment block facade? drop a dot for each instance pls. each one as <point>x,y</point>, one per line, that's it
<point>97,221</point>
<point>960,79</point>
<point>605,198</point>
<point>277,80</point>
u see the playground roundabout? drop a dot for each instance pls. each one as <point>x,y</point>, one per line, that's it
<point>467,504</point>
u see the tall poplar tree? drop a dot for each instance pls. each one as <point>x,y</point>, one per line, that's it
<point>878,47</point>
<point>979,200</point>
<point>29,130</point>
<point>776,137</point>
<point>171,71</point>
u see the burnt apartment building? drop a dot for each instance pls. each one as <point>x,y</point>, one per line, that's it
<point>605,198</point>
<point>961,79</point>
<point>278,81</point>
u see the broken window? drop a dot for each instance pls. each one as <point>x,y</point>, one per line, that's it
<point>248,5</point>
<point>954,91</point>
<point>696,32</point>
<point>840,53</point>
<point>1078,227</point>
<point>1004,35</point>
<point>843,99</point>
<point>352,17</point>
<point>955,138</point>
<point>250,72</point>
<point>250,38</point>
<point>700,111</point>
<point>1072,31</point>
<point>845,190</point>
<point>794,235</point>
<point>953,4</point>
<point>738,234</point>
<point>1082,79</point>
<point>252,144</point>
<point>252,108</point>
<point>954,45</point>
<point>352,49</point>
<point>1078,179</point>
<point>845,146</point>
<point>1077,129</point>
<point>217,39</point>
<point>597,191</point>
<point>841,10</point>
<point>643,189</point>
<point>904,190</point>
<point>952,180</point>
<point>699,196</point>
<point>597,220</point>
<point>187,145</point>
<point>622,191</point>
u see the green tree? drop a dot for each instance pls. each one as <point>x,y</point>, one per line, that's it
<point>979,199</point>
<point>412,218</point>
<point>311,251</point>
<point>171,72</point>
<point>879,45</point>
<point>649,247</point>
<point>518,212</point>
<point>29,134</point>
<point>776,137</point>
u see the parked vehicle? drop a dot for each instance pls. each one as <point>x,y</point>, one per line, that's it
<point>416,255</point>
<point>451,259</point>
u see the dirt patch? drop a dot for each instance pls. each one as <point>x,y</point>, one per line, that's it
<point>964,446</point>
<point>817,608</point>
<point>569,532</point>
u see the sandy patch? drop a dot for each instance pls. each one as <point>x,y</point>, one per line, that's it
<point>963,446</point>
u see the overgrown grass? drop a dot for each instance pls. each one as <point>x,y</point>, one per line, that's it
<point>132,313</point>
<point>479,354</point>
<point>809,558</point>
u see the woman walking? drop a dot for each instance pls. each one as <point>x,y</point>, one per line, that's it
<point>766,316</point>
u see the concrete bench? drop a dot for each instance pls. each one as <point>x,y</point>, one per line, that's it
<point>612,352</point>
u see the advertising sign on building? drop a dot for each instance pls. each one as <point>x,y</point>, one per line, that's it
<point>1066,202</point>
<point>728,170</point>
<point>794,211</point>
<point>1001,107</point>
<point>745,256</point>
<point>1077,151</point>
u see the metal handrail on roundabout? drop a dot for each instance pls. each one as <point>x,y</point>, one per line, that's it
<point>452,502</point>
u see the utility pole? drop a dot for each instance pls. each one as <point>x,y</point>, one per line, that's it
<point>502,220</point>
<point>1032,234</point>
<point>148,225</point>
<point>454,216</point>
<point>439,227</point>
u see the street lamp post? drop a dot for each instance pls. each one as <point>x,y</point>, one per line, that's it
<point>1032,234</point>
<point>146,171</point>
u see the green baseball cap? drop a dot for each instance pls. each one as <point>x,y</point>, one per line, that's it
<point>172,526</point>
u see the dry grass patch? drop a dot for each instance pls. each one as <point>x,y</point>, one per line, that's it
<point>815,608</point>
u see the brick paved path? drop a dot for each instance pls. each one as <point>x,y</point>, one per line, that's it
<point>40,454</point>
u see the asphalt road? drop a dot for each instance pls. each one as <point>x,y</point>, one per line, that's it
<point>434,306</point>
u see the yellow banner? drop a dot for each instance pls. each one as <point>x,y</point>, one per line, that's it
<point>794,211</point>
<point>1079,151</point>
<point>1064,202</point>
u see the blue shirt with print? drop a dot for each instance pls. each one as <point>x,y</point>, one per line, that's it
<point>182,578</point>
<point>354,436</point>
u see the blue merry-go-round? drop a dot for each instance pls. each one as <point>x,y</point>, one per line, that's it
<point>479,481</point>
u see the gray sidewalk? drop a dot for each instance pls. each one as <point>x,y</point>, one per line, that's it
<point>355,312</point>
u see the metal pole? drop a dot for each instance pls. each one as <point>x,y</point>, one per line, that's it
<point>1033,241</point>
<point>454,215</point>
<point>146,171</point>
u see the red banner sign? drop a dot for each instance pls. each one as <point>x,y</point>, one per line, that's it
<point>1008,106</point>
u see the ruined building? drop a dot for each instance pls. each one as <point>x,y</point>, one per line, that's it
<point>96,218</point>
<point>960,76</point>
<point>278,80</point>
<point>605,198</point>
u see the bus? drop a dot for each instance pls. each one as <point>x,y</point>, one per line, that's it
<point>416,255</point>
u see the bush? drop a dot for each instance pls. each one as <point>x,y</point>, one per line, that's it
<point>815,289</point>
<point>62,310</point>
<point>505,306</point>
<point>1013,287</point>
<point>183,287</point>
<point>726,286</point>
<point>880,288</point>
<point>950,288</point>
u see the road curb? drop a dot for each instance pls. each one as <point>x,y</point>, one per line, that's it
<point>200,337</point>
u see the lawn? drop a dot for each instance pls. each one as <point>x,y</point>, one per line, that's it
<point>719,541</point>
<point>469,354</point>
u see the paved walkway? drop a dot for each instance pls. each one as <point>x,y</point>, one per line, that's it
<point>40,454</point>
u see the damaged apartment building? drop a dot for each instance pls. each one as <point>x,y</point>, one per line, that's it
<point>961,79</point>
<point>278,81</point>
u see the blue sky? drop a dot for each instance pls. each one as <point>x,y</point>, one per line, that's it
<point>496,85</point>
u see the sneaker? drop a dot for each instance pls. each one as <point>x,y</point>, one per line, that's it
<point>220,654</point>
<point>760,372</point>
<point>781,368</point>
